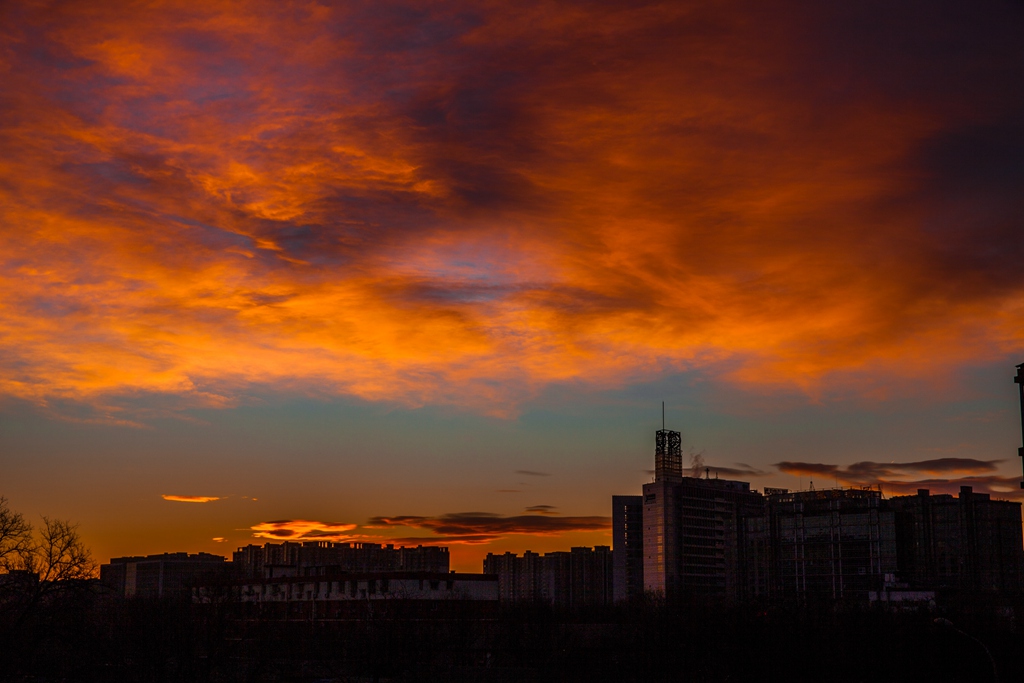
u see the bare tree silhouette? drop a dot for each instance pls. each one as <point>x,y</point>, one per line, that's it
<point>42,572</point>
<point>15,537</point>
<point>58,554</point>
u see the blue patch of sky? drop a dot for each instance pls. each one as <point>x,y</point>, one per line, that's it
<point>733,425</point>
<point>455,291</point>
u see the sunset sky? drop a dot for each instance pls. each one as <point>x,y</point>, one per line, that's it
<point>424,272</point>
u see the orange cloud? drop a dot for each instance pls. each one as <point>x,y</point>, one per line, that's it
<point>203,199</point>
<point>303,530</point>
<point>190,499</point>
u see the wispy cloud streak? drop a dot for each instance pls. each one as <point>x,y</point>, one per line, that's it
<point>190,499</point>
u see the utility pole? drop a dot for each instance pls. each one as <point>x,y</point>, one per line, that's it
<point>1019,379</point>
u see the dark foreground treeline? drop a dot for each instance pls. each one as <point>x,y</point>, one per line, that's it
<point>86,636</point>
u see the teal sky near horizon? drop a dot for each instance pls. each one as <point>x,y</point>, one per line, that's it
<point>424,272</point>
<point>346,461</point>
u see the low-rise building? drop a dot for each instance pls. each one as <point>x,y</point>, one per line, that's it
<point>341,595</point>
<point>313,557</point>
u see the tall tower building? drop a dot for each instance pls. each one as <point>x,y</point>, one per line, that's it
<point>693,531</point>
<point>668,456</point>
<point>627,547</point>
<point>661,514</point>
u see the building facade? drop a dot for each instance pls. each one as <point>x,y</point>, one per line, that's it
<point>582,576</point>
<point>170,575</point>
<point>692,539</point>
<point>627,547</point>
<point>694,536</point>
<point>968,542</point>
<point>833,544</point>
<point>312,557</point>
<point>343,595</point>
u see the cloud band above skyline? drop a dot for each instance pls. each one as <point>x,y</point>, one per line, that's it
<point>902,478</point>
<point>390,203</point>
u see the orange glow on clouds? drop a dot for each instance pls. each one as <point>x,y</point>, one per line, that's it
<point>201,200</point>
<point>190,499</point>
<point>303,530</point>
<point>458,528</point>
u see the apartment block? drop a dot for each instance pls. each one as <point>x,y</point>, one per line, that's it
<point>581,576</point>
<point>968,542</point>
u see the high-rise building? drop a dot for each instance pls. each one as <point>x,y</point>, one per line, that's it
<point>694,536</point>
<point>969,542</point>
<point>691,538</point>
<point>715,538</point>
<point>1019,381</point>
<point>627,547</point>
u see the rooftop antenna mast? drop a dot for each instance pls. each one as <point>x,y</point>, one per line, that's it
<point>663,414</point>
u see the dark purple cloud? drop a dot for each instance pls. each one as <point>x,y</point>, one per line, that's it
<point>479,527</point>
<point>905,477</point>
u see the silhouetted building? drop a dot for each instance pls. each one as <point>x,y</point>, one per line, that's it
<point>160,576</point>
<point>715,538</point>
<point>685,535</point>
<point>627,547</point>
<point>582,576</point>
<point>834,544</point>
<point>336,595</point>
<point>693,532</point>
<point>969,542</point>
<point>694,537</point>
<point>1019,381</point>
<point>317,557</point>
<point>591,575</point>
